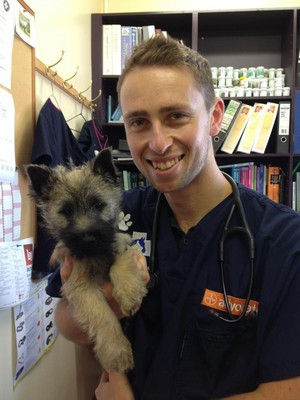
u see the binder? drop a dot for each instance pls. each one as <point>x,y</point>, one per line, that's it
<point>230,114</point>
<point>283,128</point>
<point>252,129</point>
<point>237,128</point>
<point>297,122</point>
<point>266,128</point>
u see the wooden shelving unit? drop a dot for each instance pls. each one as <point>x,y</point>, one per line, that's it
<point>230,38</point>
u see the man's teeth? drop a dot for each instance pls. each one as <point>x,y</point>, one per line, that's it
<point>165,165</point>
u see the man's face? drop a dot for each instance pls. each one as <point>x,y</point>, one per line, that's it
<point>167,125</point>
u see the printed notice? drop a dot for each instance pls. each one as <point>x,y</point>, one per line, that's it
<point>35,329</point>
<point>25,25</point>
<point>7,137</point>
<point>7,30</point>
<point>15,272</point>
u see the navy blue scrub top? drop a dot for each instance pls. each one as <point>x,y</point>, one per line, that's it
<point>181,350</point>
<point>54,143</point>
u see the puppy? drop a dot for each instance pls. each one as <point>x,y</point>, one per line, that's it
<point>80,207</point>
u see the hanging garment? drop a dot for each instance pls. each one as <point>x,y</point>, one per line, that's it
<point>91,140</point>
<point>54,144</point>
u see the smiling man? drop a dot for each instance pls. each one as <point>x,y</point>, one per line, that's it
<point>185,345</point>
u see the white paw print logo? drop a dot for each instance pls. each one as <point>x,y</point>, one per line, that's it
<point>124,221</point>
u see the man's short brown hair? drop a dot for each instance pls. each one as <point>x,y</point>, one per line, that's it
<point>166,51</point>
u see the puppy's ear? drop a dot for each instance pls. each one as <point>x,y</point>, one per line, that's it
<point>41,180</point>
<point>104,165</point>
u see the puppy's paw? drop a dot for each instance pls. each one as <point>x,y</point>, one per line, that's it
<point>128,278</point>
<point>117,356</point>
<point>130,302</point>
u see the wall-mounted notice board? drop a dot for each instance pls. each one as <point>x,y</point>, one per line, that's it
<point>23,93</point>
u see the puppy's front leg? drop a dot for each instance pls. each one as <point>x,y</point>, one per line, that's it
<point>95,316</point>
<point>129,287</point>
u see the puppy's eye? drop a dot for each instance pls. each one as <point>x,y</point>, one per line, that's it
<point>97,205</point>
<point>67,210</point>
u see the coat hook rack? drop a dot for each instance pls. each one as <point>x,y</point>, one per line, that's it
<point>83,91</point>
<point>48,69</point>
<point>93,103</point>
<point>66,84</point>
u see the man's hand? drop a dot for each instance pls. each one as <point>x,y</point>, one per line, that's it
<point>138,259</point>
<point>63,316</point>
<point>114,386</point>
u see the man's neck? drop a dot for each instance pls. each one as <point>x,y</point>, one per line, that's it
<point>192,203</point>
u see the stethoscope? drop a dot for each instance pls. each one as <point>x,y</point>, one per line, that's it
<point>243,229</point>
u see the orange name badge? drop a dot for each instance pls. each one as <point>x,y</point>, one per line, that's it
<point>215,300</point>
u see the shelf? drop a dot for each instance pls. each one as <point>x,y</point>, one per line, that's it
<point>240,39</point>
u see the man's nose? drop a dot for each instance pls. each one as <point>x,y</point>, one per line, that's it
<point>160,140</point>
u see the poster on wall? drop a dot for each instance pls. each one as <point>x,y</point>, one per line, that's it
<point>15,272</point>
<point>25,25</point>
<point>7,136</point>
<point>35,329</point>
<point>7,29</point>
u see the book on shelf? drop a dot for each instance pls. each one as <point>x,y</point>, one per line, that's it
<point>132,179</point>
<point>252,128</point>
<point>112,108</point>
<point>235,132</point>
<point>134,36</point>
<point>247,173</point>
<point>126,44</point>
<point>297,192</point>
<point>109,108</point>
<point>117,114</point>
<point>296,187</point>
<point>116,49</point>
<point>283,127</point>
<point>114,113</point>
<point>148,31</point>
<point>275,183</point>
<point>126,180</point>
<point>265,128</point>
<point>236,165</point>
<point>107,49</point>
<point>230,113</point>
<point>298,69</point>
<point>118,42</point>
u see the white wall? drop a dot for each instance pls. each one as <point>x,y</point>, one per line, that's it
<point>65,25</point>
<point>66,372</point>
<point>189,5</point>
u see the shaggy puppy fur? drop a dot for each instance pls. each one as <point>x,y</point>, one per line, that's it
<point>80,207</point>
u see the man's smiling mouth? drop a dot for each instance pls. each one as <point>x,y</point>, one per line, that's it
<point>162,166</point>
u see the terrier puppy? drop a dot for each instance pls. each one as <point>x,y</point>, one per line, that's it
<point>80,207</point>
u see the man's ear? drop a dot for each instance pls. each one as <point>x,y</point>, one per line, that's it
<point>216,119</point>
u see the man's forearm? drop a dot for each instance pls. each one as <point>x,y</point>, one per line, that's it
<point>67,326</point>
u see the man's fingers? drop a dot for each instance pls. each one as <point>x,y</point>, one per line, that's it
<point>141,264</point>
<point>66,268</point>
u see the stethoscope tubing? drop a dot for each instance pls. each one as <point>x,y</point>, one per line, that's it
<point>227,231</point>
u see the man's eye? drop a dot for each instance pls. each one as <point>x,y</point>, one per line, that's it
<point>137,122</point>
<point>177,116</point>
